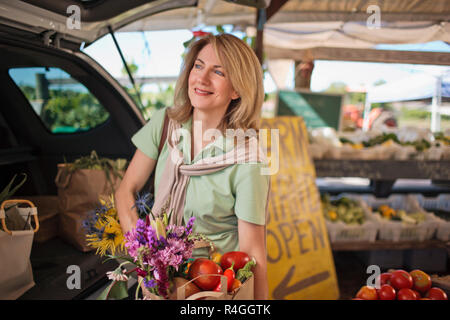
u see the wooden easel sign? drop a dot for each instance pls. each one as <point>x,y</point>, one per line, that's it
<point>300,261</point>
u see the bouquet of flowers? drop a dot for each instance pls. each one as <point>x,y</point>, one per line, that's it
<point>158,251</point>
<point>161,252</point>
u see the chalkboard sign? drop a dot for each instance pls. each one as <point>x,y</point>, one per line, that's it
<point>317,109</point>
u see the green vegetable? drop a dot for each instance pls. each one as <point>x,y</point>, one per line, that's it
<point>245,272</point>
<point>7,192</point>
<point>347,210</point>
<point>93,161</point>
<point>381,139</point>
<point>418,217</point>
<point>345,140</point>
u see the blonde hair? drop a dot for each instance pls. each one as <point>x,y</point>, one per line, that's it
<point>245,73</point>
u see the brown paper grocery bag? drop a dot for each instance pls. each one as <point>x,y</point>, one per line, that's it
<point>78,191</point>
<point>78,194</point>
<point>16,274</point>
<point>71,230</point>
<point>179,292</point>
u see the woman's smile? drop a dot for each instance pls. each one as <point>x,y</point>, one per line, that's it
<point>202,92</point>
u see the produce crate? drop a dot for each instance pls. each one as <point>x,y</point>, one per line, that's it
<point>398,230</point>
<point>341,232</point>
<point>317,151</point>
<point>441,203</point>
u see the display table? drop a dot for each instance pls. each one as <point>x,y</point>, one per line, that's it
<point>384,173</point>
<point>383,169</point>
<point>389,245</point>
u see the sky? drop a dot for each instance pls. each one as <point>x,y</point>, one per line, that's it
<point>160,55</point>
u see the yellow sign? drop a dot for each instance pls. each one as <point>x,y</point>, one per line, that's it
<point>300,261</point>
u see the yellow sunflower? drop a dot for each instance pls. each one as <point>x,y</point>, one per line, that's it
<point>112,238</point>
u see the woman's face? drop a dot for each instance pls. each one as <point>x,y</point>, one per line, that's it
<point>209,84</point>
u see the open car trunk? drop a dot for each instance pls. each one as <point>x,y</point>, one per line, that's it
<point>34,145</point>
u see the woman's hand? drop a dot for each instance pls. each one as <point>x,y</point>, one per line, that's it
<point>252,241</point>
<point>137,174</point>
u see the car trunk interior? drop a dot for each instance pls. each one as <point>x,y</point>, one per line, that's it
<point>28,146</point>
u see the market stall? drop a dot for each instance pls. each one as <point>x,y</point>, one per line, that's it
<point>382,157</point>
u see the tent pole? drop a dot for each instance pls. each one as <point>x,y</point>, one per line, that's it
<point>260,21</point>
<point>367,107</point>
<point>435,104</point>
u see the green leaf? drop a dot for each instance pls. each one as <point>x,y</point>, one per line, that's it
<point>113,257</point>
<point>119,291</point>
<point>139,286</point>
<point>7,193</point>
<point>104,294</point>
<point>220,29</point>
<point>116,290</point>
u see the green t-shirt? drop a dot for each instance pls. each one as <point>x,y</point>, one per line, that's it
<point>216,200</point>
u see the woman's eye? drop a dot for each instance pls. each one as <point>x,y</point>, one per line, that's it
<point>220,73</point>
<point>197,66</point>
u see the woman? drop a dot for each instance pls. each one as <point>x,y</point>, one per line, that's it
<point>219,89</point>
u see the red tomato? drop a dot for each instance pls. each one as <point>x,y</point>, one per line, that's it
<point>239,259</point>
<point>385,278</point>
<point>421,281</point>
<point>436,294</point>
<point>203,266</point>
<point>367,293</point>
<point>418,295</point>
<point>386,292</point>
<point>401,279</point>
<point>406,294</point>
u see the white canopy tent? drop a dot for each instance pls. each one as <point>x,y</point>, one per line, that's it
<point>301,24</point>
<point>303,35</point>
<point>347,30</point>
<point>417,87</point>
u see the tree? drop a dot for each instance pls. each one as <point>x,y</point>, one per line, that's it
<point>352,97</point>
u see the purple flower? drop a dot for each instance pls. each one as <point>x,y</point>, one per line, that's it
<point>89,224</point>
<point>177,245</point>
<point>150,283</point>
<point>132,248</point>
<point>176,231</point>
<point>190,225</point>
<point>143,204</point>
<point>140,225</point>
